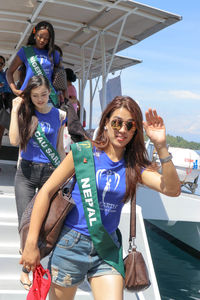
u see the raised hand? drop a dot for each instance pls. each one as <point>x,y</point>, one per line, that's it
<point>155,128</point>
<point>16,103</point>
<point>18,92</point>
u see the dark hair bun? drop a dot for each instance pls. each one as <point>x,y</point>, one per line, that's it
<point>71,76</point>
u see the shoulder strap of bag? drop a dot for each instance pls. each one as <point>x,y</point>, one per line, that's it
<point>46,146</point>
<point>86,178</point>
<point>38,70</point>
<point>133,218</point>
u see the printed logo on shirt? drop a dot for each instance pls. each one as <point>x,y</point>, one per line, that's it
<point>45,127</point>
<point>110,180</point>
<point>45,63</point>
<point>42,59</point>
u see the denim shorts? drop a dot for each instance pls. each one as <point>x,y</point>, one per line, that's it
<point>74,258</point>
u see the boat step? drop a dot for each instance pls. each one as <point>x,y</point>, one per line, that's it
<point>9,233</point>
<point>8,249</point>
<point>8,205</point>
<point>11,288</point>
<point>9,263</point>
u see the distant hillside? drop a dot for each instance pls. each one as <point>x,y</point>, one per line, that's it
<point>178,141</point>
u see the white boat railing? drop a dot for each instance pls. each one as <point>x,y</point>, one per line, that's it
<point>142,245</point>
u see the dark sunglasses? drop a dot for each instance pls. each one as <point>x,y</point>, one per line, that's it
<point>117,124</point>
<point>40,37</point>
<point>1,64</point>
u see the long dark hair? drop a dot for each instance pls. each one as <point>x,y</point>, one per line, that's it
<point>135,155</point>
<point>40,26</point>
<point>3,58</point>
<point>71,76</point>
<point>27,108</point>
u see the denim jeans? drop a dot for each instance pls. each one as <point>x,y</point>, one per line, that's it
<point>29,178</point>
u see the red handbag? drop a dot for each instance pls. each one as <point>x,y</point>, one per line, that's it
<point>41,284</point>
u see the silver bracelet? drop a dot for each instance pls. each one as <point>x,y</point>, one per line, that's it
<point>166,159</point>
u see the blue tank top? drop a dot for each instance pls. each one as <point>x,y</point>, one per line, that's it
<point>111,187</point>
<point>44,60</point>
<point>50,124</point>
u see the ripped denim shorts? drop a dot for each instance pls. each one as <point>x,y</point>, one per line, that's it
<point>74,258</point>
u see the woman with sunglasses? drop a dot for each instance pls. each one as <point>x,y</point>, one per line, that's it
<point>42,41</point>
<point>121,162</point>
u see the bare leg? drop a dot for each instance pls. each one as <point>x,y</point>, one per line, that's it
<point>107,287</point>
<point>62,293</point>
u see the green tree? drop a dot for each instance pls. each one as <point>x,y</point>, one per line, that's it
<point>179,142</point>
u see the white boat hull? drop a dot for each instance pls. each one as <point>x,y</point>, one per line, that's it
<point>178,216</point>
<point>183,234</point>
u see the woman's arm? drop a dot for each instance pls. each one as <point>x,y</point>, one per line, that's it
<point>31,255</point>
<point>14,122</point>
<point>168,182</point>
<point>9,74</point>
<point>60,138</point>
<point>60,144</point>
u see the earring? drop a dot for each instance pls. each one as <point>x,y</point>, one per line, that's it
<point>105,128</point>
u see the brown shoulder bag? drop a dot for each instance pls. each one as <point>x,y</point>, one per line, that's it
<point>60,205</point>
<point>136,273</point>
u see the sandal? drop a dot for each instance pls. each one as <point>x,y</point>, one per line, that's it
<point>24,280</point>
<point>27,286</point>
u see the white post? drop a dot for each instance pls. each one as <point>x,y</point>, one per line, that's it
<point>82,83</point>
<point>91,102</point>
<point>103,55</point>
<point>116,44</point>
<point>79,86</point>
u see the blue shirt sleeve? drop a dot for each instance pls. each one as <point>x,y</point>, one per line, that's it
<point>21,54</point>
<point>57,58</point>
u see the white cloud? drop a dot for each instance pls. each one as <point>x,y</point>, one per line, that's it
<point>182,125</point>
<point>184,94</point>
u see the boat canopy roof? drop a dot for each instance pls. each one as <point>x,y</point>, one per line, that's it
<point>79,26</point>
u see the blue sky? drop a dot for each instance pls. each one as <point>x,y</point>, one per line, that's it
<point>168,79</point>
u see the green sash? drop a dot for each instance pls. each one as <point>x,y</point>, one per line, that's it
<point>86,178</point>
<point>38,70</point>
<point>46,146</point>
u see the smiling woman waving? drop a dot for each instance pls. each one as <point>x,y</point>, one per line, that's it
<point>120,164</point>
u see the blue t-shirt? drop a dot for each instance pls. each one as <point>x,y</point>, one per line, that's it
<point>5,88</point>
<point>111,187</point>
<point>50,124</point>
<point>44,60</point>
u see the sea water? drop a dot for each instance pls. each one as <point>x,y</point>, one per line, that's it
<point>177,272</point>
